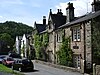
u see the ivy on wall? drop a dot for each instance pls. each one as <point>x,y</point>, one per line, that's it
<point>96,41</point>
<point>45,39</point>
<point>37,44</point>
<point>41,42</point>
<point>65,53</point>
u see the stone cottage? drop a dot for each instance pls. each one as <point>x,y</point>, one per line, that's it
<point>80,30</point>
<point>54,21</point>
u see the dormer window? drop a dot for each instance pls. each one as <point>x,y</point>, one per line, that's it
<point>76,36</point>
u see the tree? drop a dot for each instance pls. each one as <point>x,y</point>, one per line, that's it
<point>15,29</point>
<point>7,38</point>
<point>9,30</point>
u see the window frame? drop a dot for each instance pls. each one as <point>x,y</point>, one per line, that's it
<point>76,34</point>
<point>59,37</point>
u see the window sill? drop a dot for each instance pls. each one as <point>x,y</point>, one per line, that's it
<point>76,41</point>
<point>59,42</point>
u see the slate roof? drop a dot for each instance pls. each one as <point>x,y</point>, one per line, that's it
<point>40,27</point>
<point>58,20</point>
<point>82,19</point>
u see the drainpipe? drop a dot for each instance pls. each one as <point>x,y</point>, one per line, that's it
<point>54,47</point>
<point>84,48</point>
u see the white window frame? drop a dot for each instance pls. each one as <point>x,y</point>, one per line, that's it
<point>76,34</point>
<point>59,37</point>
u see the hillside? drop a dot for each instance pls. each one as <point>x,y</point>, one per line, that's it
<point>14,28</point>
<point>8,32</point>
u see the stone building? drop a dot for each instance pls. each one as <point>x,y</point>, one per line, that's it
<point>80,31</point>
<point>18,44</point>
<point>39,29</point>
<point>54,21</point>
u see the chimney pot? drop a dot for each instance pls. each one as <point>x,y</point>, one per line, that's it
<point>44,20</point>
<point>60,10</point>
<point>50,11</point>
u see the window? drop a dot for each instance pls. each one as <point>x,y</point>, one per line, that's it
<point>59,37</point>
<point>77,61</point>
<point>76,36</point>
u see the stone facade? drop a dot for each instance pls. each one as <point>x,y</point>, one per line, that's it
<point>77,45</point>
<point>18,44</point>
<point>82,46</point>
<point>50,48</point>
<point>80,32</point>
<point>88,52</point>
<point>97,69</point>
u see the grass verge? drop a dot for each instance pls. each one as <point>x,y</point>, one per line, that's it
<point>8,70</point>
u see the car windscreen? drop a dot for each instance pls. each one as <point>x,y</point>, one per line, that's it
<point>26,61</point>
<point>15,56</point>
<point>2,57</point>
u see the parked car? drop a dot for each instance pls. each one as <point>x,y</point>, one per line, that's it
<point>8,61</point>
<point>1,58</point>
<point>14,55</point>
<point>22,65</point>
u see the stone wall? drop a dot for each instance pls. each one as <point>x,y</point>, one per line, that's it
<point>97,69</point>
<point>88,45</point>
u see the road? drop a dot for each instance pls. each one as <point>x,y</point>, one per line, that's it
<point>3,73</point>
<point>41,69</point>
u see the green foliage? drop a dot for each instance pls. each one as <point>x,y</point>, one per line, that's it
<point>8,71</point>
<point>14,29</point>
<point>7,38</point>
<point>37,44</point>
<point>65,53</point>
<point>41,42</point>
<point>45,39</point>
<point>96,40</point>
<point>9,30</point>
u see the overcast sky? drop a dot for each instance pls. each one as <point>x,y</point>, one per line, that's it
<point>29,11</point>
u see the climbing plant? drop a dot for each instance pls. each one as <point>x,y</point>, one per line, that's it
<point>65,53</point>
<point>96,41</point>
<point>45,39</point>
<point>41,42</point>
<point>37,44</point>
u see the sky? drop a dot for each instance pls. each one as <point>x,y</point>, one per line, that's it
<point>29,11</point>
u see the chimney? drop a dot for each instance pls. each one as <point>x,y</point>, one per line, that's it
<point>50,11</point>
<point>44,20</point>
<point>59,12</point>
<point>69,12</point>
<point>95,5</point>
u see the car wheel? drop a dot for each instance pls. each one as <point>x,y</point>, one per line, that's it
<point>31,69</point>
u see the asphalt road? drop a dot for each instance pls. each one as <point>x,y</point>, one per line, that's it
<point>2,73</point>
<point>41,69</point>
